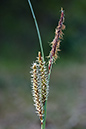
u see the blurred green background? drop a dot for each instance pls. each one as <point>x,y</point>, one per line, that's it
<point>19,45</point>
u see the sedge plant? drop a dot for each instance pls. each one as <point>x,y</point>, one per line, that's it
<point>40,72</point>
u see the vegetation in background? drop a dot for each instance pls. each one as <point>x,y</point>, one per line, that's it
<point>17,28</point>
<point>67,100</point>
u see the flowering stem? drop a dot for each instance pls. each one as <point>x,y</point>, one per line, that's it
<point>40,41</point>
<point>37,28</point>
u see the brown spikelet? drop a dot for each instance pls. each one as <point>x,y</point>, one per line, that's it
<point>55,44</point>
<point>36,91</point>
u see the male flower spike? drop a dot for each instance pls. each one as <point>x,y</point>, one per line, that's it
<point>55,44</point>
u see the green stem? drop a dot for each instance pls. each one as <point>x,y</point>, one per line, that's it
<point>44,119</point>
<point>44,122</point>
<point>42,126</point>
<point>45,105</point>
<point>37,28</point>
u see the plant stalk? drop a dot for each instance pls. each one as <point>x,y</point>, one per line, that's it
<point>44,122</point>
<point>37,28</point>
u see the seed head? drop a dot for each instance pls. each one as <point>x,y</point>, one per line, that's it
<point>36,91</point>
<point>43,78</point>
<point>39,85</point>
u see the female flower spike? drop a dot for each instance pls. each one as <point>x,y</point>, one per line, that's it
<point>55,44</point>
<point>39,85</point>
<point>35,91</point>
<point>43,78</point>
